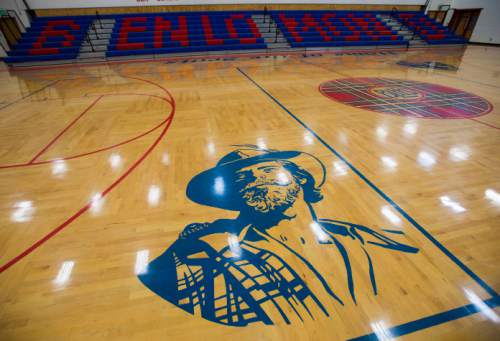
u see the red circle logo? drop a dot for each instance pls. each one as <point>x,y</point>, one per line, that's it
<point>405,98</point>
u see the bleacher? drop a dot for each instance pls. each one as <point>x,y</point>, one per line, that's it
<point>187,32</point>
<point>335,28</point>
<point>428,29</point>
<point>50,39</point>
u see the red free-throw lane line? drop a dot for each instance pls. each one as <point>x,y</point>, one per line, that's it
<point>35,163</point>
<point>84,209</point>
<point>64,130</point>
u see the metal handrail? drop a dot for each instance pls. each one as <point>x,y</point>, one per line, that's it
<point>98,19</point>
<point>95,31</point>
<point>90,43</point>
<point>404,22</point>
<point>277,33</point>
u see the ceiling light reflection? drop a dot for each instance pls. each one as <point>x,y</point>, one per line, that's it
<point>64,272</point>
<point>426,160</point>
<point>381,330</point>
<point>321,235</point>
<point>382,133</point>
<point>308,138</point>
<point>23,211</point>
<point>390,215</point>
<point>165,159</point>
<point>261,143</point>
<point>96,203</point>
<point>343,138</point>
<point>141,262</point>
<point>211,148</point>
<point>481,306</point>
<point>410,128</point>
<point>492,195</point>
<point>59,167</point>
<point>234,245</point>
<point>283,178</point>
<point>154,195</point>
<point>340,168</point>
<point>454,205</point>
<point>389,162</point>
<point>219,185</point>
<point>459,153</point>
<point>115,160</point>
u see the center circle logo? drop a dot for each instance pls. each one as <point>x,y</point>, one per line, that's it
<point>396,92</point>
<point>405,98</point>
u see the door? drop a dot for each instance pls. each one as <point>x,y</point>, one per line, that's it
<point>10,30</point>
<point>464,21</point>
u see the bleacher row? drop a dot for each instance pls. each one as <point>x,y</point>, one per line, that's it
<point>165,33</point>
<point>315,29</point>
<point>428,29</point>
<point>51,38</point>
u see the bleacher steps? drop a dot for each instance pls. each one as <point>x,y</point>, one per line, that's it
<point>94,48</point>
<point>272,35</point>
<point>396,25</point>
<point>97,39</point>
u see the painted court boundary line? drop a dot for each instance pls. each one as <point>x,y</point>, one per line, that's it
<point>431,321</point>
<point>72,123</point>
<point>427,321</point>
<point>36,162</point>
<point>29,95</point>
<point>485,123</point>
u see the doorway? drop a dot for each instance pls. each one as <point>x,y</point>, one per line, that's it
<point>10,30</point>
<point>463,21</point>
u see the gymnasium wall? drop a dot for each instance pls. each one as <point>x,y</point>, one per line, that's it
<point>38,4</point>
<point>18,6</point>
<point>487,29</point>
<point>75,7</point>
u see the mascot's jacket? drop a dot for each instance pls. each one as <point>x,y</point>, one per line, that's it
<point>249,280</point>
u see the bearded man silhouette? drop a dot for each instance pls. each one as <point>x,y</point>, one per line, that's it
<point>277,261</point>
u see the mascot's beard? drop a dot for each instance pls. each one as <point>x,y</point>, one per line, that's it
<point>266,197</point>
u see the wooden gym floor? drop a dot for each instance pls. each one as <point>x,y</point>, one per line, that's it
<point>95,161</point>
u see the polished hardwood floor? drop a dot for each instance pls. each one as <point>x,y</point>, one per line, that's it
<point>214,169</point>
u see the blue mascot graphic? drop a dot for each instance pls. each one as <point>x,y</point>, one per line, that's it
<point>276,261</point>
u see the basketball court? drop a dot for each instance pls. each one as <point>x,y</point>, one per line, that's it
<point>115,175</point>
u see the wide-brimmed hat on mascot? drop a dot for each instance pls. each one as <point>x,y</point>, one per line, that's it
<point>217,186</point>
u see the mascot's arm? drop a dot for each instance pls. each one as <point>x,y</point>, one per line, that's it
<point>184,271</point>
<point>197,230</point>
<point>365,235</point>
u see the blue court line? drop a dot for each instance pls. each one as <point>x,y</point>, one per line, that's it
<point>431,321</point>
<point>440,246</point>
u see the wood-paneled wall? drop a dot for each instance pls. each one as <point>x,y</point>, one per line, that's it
<point>155,9</point>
